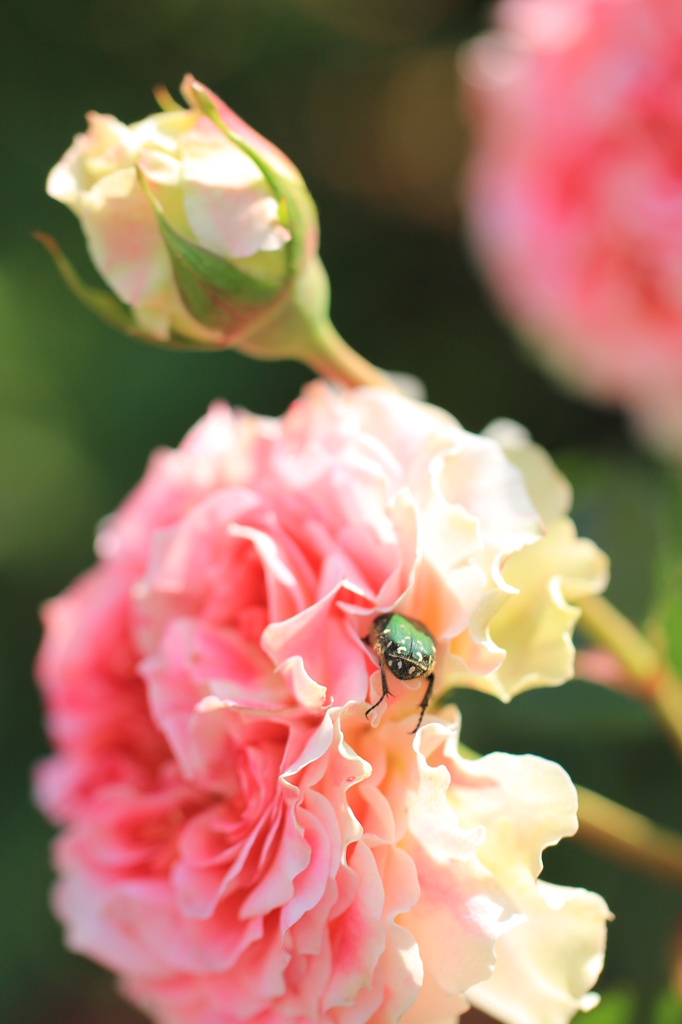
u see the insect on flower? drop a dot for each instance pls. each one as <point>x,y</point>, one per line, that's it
<point>407,648</point>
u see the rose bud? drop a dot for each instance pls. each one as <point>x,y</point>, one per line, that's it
<point>205,232</point>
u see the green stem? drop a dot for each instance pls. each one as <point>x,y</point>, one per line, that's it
<point>651,677</point>
<point>628,837</point>
<point>335,359</point>
<point>302,330</point>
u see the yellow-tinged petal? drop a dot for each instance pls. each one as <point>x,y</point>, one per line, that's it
<point>549,490</point>
<point>546,967</point>
<point>525,804</point>
<point>535,626</point>
<point>520,635</point>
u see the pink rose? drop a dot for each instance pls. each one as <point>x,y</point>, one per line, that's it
<point>475,832</point>
<point>574,195</point>
<point>244,888</point>
<point>238,837</point>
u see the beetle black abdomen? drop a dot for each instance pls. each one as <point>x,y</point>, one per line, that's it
<point>402,667</point>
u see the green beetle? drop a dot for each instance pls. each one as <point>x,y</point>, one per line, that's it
<point>407,648</point>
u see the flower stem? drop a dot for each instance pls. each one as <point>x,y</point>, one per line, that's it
<point>302,330</point>
<point>628,837</point>
<point>652,678</point>
<point>337,361</point>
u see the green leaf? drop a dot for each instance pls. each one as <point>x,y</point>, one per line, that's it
<point>99,301</point>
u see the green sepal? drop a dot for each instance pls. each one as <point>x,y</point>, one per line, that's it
<point>103,303</point>
<point>218,277</point>
<point>216,293</point>
<point>279,185</point>
<point>106,307</point>
<point>165,101</point>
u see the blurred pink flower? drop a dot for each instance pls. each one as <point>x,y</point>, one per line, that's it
<point>238,839</point>
<point>574,194</point>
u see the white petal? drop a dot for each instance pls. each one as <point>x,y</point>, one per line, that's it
<point>228,205</point>
<point>546,967</point>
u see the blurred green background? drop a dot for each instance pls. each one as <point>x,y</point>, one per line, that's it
<point>361,94</point>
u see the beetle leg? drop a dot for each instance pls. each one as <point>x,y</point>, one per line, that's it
<point>423,705</point>
<point>385,692</point>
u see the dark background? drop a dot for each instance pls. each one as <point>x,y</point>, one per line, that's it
<point>362,95</point>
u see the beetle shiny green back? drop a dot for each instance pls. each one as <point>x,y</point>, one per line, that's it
<point>406,646</point>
